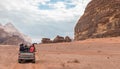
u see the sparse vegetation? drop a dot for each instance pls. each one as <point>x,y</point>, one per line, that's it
<point>108,57</point>
<point>99,51</point>
<point>73,61</point>
<point>63,64</point>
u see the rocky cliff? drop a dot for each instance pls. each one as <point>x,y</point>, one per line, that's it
<point>9,35</point>
<point>100,19</point>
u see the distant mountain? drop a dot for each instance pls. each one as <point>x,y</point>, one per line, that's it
<point>101,19</point>
<point>11,36</point>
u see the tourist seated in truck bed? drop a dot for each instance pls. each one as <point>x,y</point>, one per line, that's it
<point>26,49</point>
<point>22,48</point>
<point>32,48</point>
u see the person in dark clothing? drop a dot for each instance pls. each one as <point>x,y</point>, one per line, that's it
<point>22,48</point>
<point>26,48</point>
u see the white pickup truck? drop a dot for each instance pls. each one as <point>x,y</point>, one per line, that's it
<point>23,56</point>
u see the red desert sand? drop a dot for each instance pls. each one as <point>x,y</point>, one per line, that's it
<point>103,53</point>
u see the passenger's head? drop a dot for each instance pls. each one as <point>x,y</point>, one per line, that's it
<point>25,45</point>
<point>33,45</point>
<point>21,44</point>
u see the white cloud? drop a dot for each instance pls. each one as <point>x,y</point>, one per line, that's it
<point>59,5</point>
<point>29,18</point>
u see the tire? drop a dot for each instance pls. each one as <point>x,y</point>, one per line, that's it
<point>19,61</point>
<point>23,61</point>
<point>33,61</point>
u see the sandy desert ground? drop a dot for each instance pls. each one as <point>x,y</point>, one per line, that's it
<point>101,53</point>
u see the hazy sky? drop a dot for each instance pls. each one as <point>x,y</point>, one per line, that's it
<point>43,18</point>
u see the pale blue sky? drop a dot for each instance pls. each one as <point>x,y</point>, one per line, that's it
<point>43,18</point>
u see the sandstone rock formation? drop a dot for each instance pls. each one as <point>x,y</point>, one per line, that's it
<point>58,39</point>
<point>9,35</point>
<point>101,19</point>
<point>46,40</point>
<point>67,39</point>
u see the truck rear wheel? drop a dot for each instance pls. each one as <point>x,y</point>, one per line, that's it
<point>19,61</point>
<point>33,61</point>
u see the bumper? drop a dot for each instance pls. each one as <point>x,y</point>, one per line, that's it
<point>26,58</point>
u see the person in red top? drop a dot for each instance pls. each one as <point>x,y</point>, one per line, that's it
<point>32,48</point>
